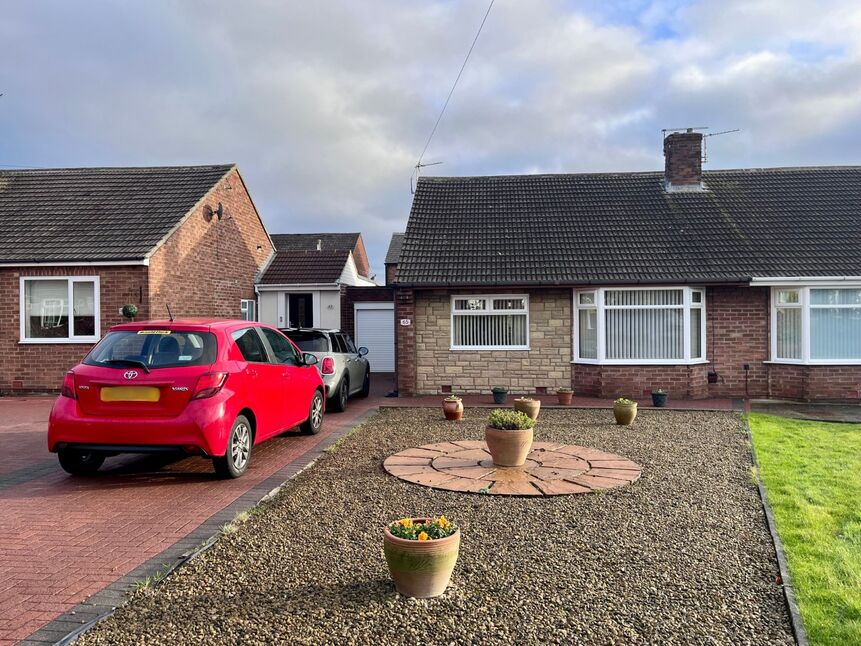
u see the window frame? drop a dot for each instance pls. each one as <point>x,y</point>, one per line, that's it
<point>246,304</point>
<point>600,307</point>
<point>805,304</point>
<point>70,286</point>
<point>489,298</point>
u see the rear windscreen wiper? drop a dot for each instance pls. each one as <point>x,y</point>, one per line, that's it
<point>129,362</point>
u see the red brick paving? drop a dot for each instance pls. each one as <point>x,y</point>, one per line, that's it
<point>63,539</point>
<point>551,469</point>
<point>553,401</point>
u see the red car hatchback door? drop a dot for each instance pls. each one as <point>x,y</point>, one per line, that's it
<point>149,371</point>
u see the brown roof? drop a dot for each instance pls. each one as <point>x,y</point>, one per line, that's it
<point>289,267</point>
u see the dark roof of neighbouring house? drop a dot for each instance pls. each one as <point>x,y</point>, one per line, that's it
<point>293,267</point>
<point>96,214</point>
<point>394,251</point>
<point>308,241</point>
<point>626,228</point>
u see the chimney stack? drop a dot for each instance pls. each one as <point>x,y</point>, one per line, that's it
<point>683,161</point>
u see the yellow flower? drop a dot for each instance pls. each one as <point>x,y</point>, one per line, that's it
<point>423,536</point>
<point>443,522</point>
<point>406,522</point>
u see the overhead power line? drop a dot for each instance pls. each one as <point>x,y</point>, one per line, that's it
<point>454,85</point>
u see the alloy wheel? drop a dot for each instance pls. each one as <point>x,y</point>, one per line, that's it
<point>240,446</point>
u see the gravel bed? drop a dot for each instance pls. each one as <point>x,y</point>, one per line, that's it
<point>682,556</point>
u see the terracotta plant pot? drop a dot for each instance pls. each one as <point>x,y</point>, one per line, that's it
<point>508,448</point>
<point>565,398</point>
<point>528,407</point>
<point>421,569</point>
<point>625,413</point>
<point>453,409</point>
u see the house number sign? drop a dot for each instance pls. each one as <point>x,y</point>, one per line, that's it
<point>406,322</point>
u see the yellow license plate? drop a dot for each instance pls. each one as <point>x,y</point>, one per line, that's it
<point>130,394</point>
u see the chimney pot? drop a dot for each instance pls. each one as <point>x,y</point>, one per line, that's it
<point>683,161</point>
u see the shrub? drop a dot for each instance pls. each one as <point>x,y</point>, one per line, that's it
<point>624,401</point>
<point>432,528</point>
<point>563,390</point>
<point>510,420</point>
<point>499,389</point>
<point>452,398</point>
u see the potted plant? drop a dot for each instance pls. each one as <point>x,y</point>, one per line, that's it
<point>625,411</point>
<point>528,406</point>
<point>509,437</point>
<point>500,394</point>
<point>130,311</point>
<point>452,406</point>
<point>659,398</point>
<point>421,554</point>
<point>565,396</point>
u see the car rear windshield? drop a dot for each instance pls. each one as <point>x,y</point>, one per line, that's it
<point>151,349</point>
<point>309,341</point>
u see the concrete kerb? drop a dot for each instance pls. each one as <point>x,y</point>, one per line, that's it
<point>785,578</point>
<point>104,603</point>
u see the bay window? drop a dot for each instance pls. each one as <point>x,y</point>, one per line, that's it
<point>490,322</point>
<point>59,310</point>
<point>639,326</point>
<point>816,325</point>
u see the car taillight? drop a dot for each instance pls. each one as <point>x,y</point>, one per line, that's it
<point>68,389</point>
<point>209,384</point>
<point>328,367</point>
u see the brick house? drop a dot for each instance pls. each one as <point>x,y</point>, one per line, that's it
<point>726,283</point>
<point>304,283</point>
<point>78,244</point>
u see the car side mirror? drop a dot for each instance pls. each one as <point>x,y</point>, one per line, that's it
<point>363,351</point>
<point>309,359</point>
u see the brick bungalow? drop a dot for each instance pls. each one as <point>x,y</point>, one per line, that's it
<point>725,283</point>
<point>78,244</point>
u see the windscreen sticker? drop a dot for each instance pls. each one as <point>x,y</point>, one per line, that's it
<point>153,331</point>
<point>185,357</point>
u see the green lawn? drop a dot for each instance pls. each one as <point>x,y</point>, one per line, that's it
<point>812,473</point>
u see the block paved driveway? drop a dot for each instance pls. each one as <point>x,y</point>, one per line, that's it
<point>63,539</point>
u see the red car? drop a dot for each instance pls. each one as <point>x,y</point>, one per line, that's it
<point>204,387</point>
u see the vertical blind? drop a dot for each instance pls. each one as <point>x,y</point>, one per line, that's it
<point>640,324</point>
<point>831,332</point>
<point>490,322</point>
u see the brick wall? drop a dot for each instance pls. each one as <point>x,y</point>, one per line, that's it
<point>351,295</point>
<point>737,324</point>
<point>391,273</point>
<point>40,367</point>
<point>546,364</point>
<point>206,268</point>
<point>405,342</point>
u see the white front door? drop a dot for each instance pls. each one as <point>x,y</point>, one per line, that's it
<point>375,330</point>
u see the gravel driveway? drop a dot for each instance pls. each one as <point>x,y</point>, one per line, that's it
<point>682,556</point>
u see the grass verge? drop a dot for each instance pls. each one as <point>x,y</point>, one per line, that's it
<point>812,475</point>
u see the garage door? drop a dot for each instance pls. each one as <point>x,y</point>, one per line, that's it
<point>375,329</point>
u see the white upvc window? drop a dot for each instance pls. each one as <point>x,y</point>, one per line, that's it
<point>248,309</point>
<point>816,325</point>
<point>639,325</point>
<point>490,322</point>
<point>59,309</point>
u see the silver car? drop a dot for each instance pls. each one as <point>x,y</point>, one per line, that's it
<point>343,366</point>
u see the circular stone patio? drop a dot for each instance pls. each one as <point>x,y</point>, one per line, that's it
<point>550,470</point>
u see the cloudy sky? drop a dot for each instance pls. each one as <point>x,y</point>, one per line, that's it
<point>326,105</point>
